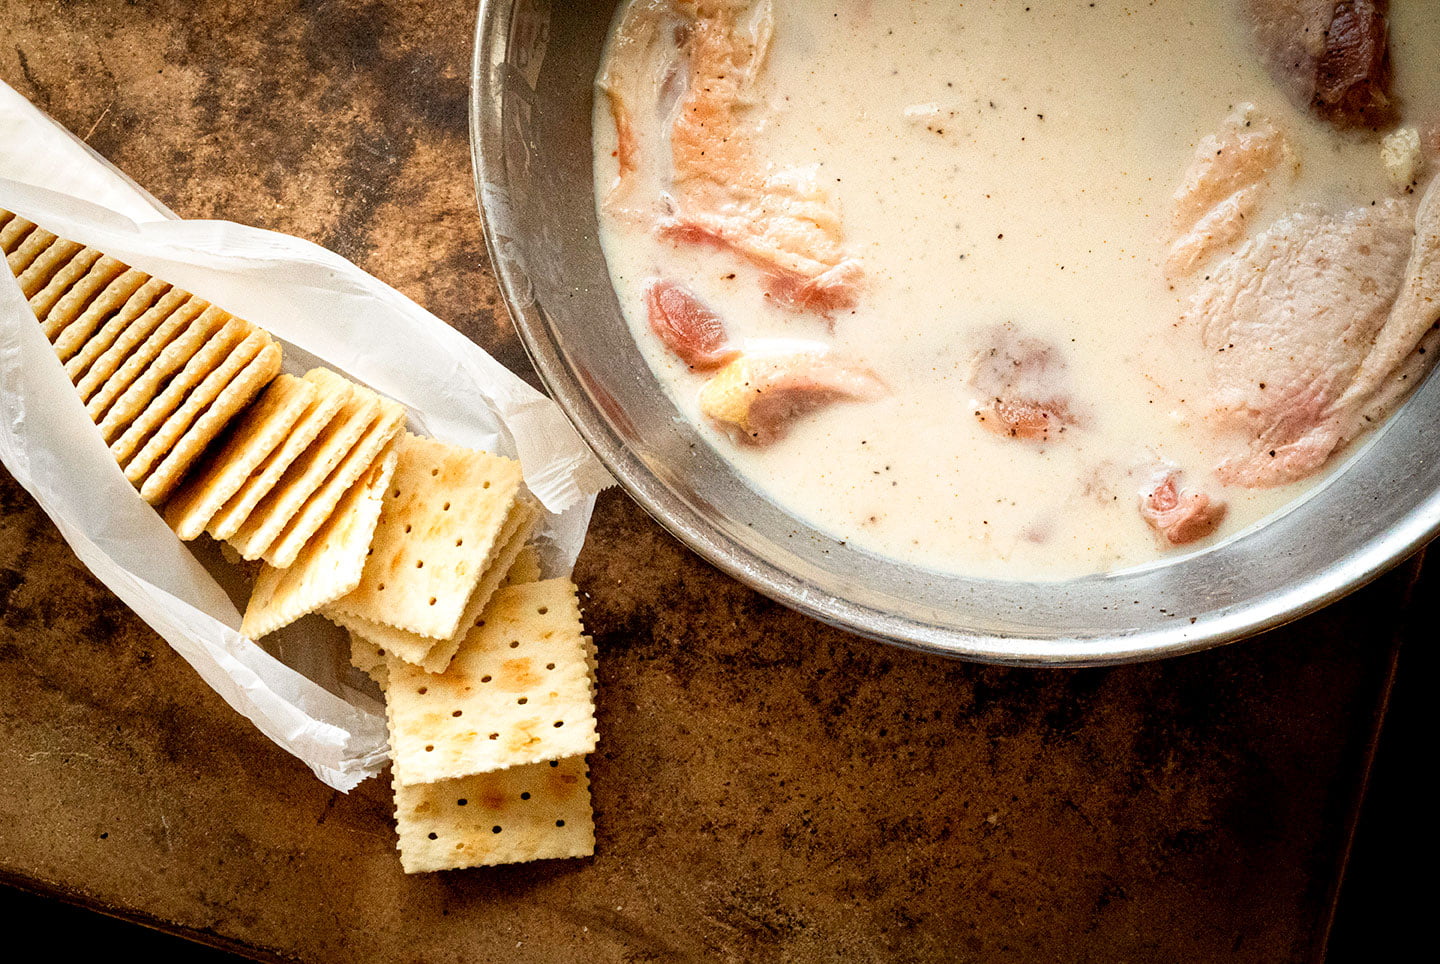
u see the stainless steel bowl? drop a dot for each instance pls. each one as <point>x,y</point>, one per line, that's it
<point>531,97</point>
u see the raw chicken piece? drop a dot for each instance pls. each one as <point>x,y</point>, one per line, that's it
<point>1224,186</point>
<point>705,55</point>
<point>687,326</point>
<point>1318,327</point>
<point>1179,515</point>
<point>643,71</point>
<point>779,220</point>
<point>1020,381</point>
<point>757,396</point>
<point>1329,56</point>
<point>809,287</point>
<point>1403,351</point>
<point>726,42</point>
<point>825,293</point>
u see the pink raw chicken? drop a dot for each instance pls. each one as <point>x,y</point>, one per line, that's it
<point>1319,326</point>
<point>642,72</point>
<point>1330,56</point>
<point>1223,188</point>
<point>687,326</point>
<point>1020,381</point>
<point>1179,515</point>
<point>756,397</point>
<point>696,62</point>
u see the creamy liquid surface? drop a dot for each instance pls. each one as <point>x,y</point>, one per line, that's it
<point>998,161</point>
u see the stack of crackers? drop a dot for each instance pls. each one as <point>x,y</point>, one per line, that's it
<point>489,756</point>
<point>161,372</point>
<point>418,548</point>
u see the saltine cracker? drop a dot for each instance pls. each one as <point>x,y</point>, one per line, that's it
<point>317,508</point>
<point>100,384</point>
<point>534,812</point>
<point>73,302</point>
<point>306,474</point>
<point>518,691</point>
<point>190,393</point>
<point>442,518</point>
<point>168,349</point>
<point>433,655</point>
<point>67,271</point>
<point>161,389</point>
<point>107,303</point>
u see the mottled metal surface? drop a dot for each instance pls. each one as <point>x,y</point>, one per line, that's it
<point>765,786</point>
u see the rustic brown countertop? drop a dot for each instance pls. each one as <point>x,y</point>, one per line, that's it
<point>765,786</point>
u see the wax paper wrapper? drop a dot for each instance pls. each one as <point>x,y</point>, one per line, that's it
<point>297,685</point>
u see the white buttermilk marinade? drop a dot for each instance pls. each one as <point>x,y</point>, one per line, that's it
<point>1001,174</point>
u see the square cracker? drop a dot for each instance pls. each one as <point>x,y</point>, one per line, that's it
<point>72,304</point>
<point>259,432</point>
<point>232,398</point>
<point>162,388</point>
<point>517,531</point>
<point>204,378</point>
<point>442,518</point>
<point>368,657</point>
<point>287,545</point>
<point>125,394</point>
<point>55,272</point>
<point>533,812</point>
<point>99,385</point>
<point>330,564</point>
<point>433,655</point>
<point>331,394</point>
<point>517,692</point>
<point>115,296</point>
<point>306,474</point>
